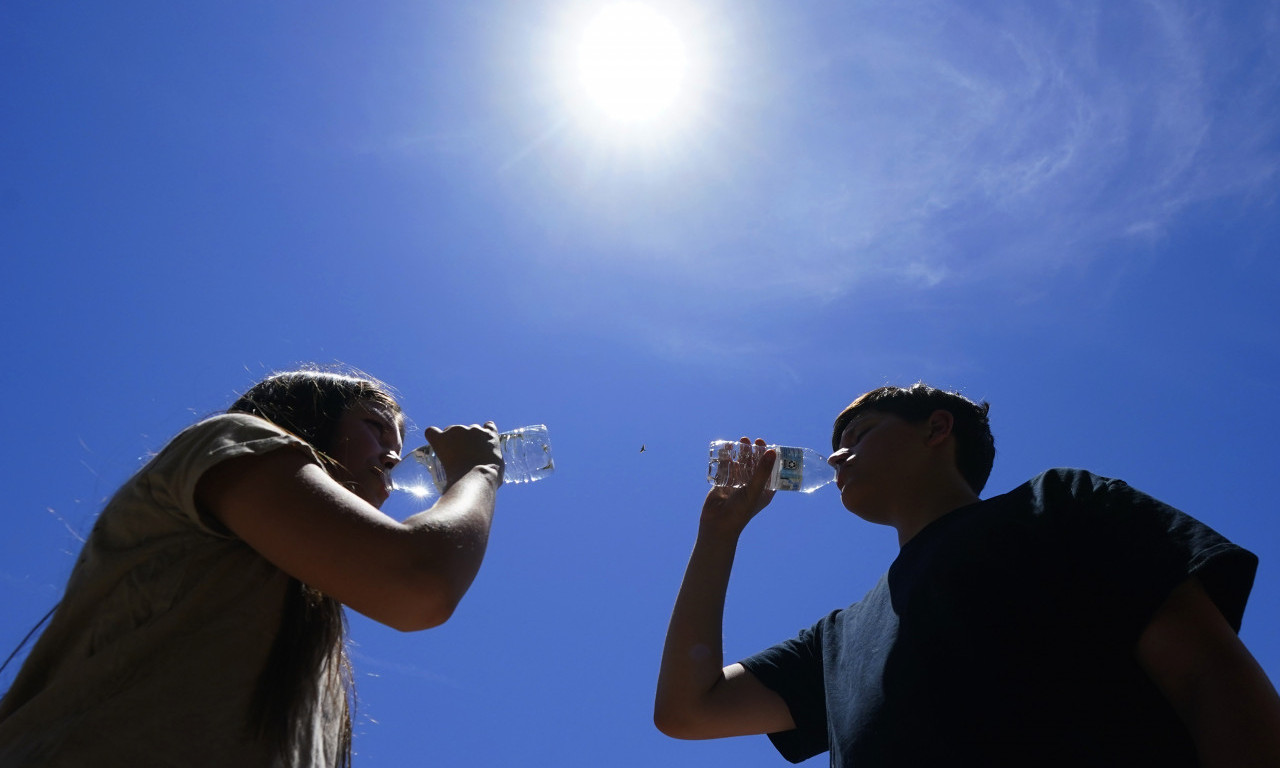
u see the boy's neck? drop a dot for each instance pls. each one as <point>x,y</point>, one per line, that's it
<point>930,506</point>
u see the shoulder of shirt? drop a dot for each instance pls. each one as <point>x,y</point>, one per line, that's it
<point>1069,478</point>
<point>1059,483</point>
<point>237,426</point>
<point>236,420</point>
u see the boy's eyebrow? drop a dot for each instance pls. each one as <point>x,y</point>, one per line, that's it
<point>856,421</point>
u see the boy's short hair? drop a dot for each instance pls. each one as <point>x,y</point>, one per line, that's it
<point>975,445</point>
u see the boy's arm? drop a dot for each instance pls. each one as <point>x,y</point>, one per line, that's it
<point>1216,686</point>
<point>698,697</point>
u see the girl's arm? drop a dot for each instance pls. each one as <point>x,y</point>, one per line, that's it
<point>409,575</point>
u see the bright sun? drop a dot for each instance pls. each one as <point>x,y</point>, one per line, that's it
<point>632,63</point>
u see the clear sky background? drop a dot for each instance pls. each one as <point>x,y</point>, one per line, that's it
<point>1067,209</point>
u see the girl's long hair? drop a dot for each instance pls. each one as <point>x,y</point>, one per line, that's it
<point>309,653</point>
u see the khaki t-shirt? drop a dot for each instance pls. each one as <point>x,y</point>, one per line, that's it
<point>153,656</point>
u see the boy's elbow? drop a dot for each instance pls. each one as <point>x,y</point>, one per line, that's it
<point>663,722</point>
<point>665,726</point>
<point>670,722</point>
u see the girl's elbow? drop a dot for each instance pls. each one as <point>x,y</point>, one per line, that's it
<point>427,592</point>
<point>417,622</point>
<point>431,603</point>
<point>428,614</point>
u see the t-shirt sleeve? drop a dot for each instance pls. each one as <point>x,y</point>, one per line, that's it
<point>1177,546</point>
<point>175,471</point>
<point>1136,549</point>
<point>793,670</point>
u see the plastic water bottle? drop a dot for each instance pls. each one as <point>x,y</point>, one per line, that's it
<point>525,451</point>
<point>794,469</point>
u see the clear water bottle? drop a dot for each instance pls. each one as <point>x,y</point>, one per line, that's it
<point>794,469</point>
<point>526,452</point>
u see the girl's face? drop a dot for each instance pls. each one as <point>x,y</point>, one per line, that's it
<point>367,444</point>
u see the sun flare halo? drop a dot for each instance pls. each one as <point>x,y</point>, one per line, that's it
<point>632,64</point>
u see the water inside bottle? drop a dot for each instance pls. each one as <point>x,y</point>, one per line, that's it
<point>732,462</point>
<point>415,474</point>
<point>527,454</point>
<point>794,469</point>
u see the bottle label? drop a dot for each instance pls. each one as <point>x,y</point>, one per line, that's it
<point>789,469</point>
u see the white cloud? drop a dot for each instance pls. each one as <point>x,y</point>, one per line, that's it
<point>944,144</point>
<point>954,146</point>
<point>911,146</point>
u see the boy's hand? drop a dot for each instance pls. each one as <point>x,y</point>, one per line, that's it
<point>727,510</point>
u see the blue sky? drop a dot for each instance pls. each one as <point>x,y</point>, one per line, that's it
<point>1067,209</point>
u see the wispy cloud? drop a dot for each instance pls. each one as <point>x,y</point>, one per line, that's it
<point>913,145</point>
<point>931,143</point>
<point>1028,138</point>
<point>373,666</point>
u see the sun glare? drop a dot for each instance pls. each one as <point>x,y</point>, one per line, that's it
<point>632,63</point>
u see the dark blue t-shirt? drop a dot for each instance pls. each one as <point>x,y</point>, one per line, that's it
<point>1004,634</point>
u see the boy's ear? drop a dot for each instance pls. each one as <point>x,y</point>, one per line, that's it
<point>941,423</point>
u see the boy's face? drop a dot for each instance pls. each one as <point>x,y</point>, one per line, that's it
<point>880,459</point>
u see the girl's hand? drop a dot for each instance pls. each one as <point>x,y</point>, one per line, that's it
<point>460,448</point>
